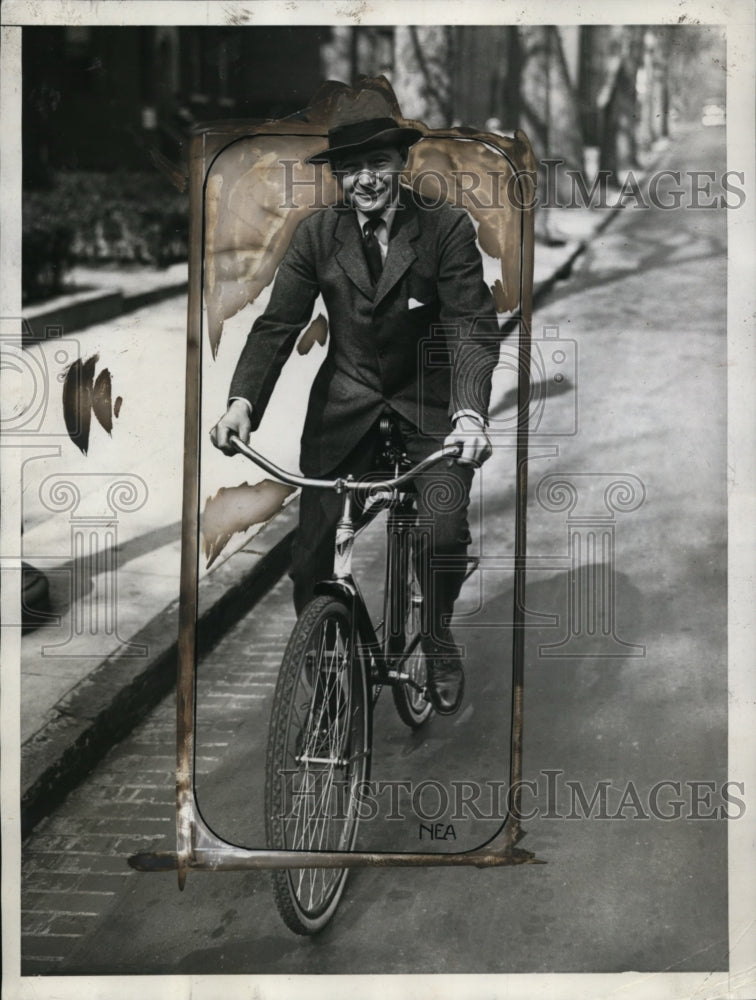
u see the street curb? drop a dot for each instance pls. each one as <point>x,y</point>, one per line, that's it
<point>103,709</point>
<point>79,310</point>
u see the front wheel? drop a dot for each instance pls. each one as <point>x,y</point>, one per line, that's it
<point>317,759</point>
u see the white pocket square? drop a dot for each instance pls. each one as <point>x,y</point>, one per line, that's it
<point>415,304</point>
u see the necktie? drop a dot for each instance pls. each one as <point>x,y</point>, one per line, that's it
<point>372,249</point>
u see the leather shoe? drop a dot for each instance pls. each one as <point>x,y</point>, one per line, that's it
<point>446,678</point>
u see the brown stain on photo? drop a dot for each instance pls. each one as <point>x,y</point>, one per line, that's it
<point>83,396</point>
<point>102,404</point>
<point>492,204</point>
<point>316,333</point>
<point>236,508</point>
<point>250,219</point>
<point>77,401</point>
<point>499,296</point>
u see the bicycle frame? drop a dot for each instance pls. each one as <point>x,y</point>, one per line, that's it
<point>343,583</point>
<point>384,666</point>
<point>198,848</point>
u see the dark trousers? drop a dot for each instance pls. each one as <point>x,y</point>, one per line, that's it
<point>443,497</point>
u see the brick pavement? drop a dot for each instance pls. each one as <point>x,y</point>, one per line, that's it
<point>74,869</point>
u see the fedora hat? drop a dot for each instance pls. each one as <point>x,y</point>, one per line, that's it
<point>363,121</point>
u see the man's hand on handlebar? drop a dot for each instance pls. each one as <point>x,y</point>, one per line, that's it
<point>470,433</point>
<point>236,420</point>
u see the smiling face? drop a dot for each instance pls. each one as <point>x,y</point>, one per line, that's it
<point>369,178</point>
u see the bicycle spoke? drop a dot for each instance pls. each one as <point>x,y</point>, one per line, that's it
<point>320,740</point>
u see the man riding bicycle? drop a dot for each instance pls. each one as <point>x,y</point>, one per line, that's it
<point>393,271</point>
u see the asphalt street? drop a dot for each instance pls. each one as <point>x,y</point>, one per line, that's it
<point>626,687</point>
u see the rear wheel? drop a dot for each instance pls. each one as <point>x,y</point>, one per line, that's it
<point>318,756</point>
<point>406,604</point>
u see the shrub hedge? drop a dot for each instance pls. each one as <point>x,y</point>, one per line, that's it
<point>91,218</point>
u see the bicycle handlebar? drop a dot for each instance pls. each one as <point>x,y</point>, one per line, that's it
<point>450,451</point>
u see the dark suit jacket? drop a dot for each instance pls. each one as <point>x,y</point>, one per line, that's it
<point>425,340</point>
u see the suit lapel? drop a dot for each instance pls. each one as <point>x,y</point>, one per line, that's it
<point>401,252</point>
<point>350,254</point>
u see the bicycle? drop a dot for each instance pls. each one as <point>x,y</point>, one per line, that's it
<point>334,667</point>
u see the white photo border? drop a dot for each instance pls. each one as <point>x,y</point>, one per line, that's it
<point>738,18</point>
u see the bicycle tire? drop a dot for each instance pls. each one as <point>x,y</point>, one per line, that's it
<point>410,698</point>
<point>318,754</point>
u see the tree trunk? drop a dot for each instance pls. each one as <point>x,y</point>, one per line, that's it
<point>422,80</point>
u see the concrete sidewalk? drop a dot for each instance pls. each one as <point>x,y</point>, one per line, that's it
<point>100,294</point>
<point>80,699</point>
